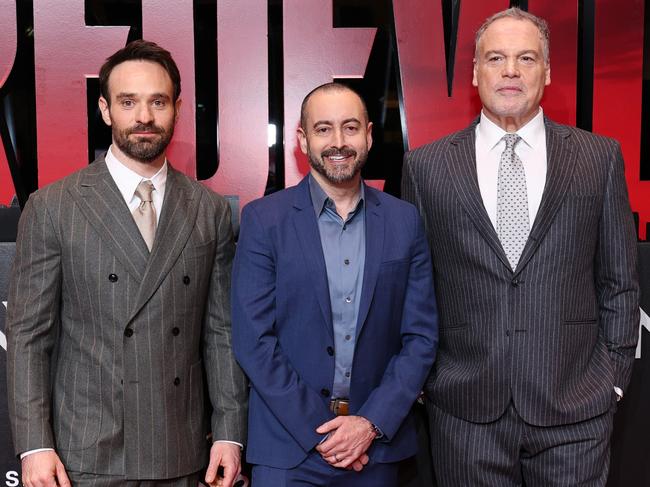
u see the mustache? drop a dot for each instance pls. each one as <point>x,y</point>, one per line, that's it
<point>345,152</point>
<point>147,128</point>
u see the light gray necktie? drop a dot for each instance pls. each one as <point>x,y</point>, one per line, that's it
<point>145,214</point>
<point>512,202</point>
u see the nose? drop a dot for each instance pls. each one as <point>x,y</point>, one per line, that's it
<point>144,115</point>
<point>510,68</point>
<point>338,138</point>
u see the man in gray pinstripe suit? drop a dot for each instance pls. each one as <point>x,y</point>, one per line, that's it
<point>534,257</point>
<point>119,301</point>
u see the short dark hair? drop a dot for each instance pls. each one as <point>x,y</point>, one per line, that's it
<point>140,50</point>
<point>334,86</point>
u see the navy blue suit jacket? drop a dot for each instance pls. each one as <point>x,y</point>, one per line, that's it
<point>282,325</point>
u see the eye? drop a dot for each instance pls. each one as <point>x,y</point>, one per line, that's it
<point>495,58</point>
<point>159,103</point>
<point>528,59</point>
<point>351,129</point>
<point>127,103</point>
<point>322,130</point>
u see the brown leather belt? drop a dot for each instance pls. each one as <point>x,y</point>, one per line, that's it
<point>340,407</point>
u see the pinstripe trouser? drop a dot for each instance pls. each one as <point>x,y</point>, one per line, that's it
<point>79,479</point>
<point>510,452</point>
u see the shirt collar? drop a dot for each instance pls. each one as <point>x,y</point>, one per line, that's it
<point>127,180</point>
<point>319,198</point>
<point>533,133</point>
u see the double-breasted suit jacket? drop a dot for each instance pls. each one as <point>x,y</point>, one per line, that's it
<point>557,334</point>
<point>105,339</point>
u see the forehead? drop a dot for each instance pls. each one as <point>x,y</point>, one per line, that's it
<point>511,33</point>
<point>140,77</point>
<point>334,105</point>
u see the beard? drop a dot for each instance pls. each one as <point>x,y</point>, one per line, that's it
<point>143,149</point>
<point>338,173</point>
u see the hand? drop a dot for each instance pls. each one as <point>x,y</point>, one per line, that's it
<point>349,438</point>
<point>228,456</point>
<point>44,469</point>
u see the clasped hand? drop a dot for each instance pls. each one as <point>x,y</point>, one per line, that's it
<point>348,440</point>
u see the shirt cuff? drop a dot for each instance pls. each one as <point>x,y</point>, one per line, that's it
<point>232,442</point>
<point>619,393</point>
<point>29,452</point>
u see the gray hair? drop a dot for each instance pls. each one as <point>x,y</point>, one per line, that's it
<point>518,14</point>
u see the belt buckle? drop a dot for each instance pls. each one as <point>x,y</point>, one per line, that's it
<point>340,406</point>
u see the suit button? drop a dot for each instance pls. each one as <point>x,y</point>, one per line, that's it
<point>325,392</point>
<point>128,332</point>
<point>112,277</point>
<point>330,351</point>
<point>175,331</point>
<point>515,282</point>
<point>507,333</point>
<point>186,280</point>
<point>177,381</point>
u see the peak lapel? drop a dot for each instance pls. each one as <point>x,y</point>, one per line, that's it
<point>103,206</point>
<point>306,228</point>
<point>374,252</point>
<point>561,163</point>
<point>461,166</point>
<point>177,221</point>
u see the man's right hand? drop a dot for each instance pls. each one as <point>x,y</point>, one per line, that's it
<point>44,469</point>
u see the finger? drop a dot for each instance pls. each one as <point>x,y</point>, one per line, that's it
<point>364,459</point>
<point>329,426</point>
<point>229,472</point>
<point>357,466</point>
<point>62,476</point>
<point>211,472</point>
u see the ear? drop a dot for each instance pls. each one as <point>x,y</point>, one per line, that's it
<point>177,109</point>
<point>302,138</point>
<point>369,135</point>
<point>105,110</point>
<point>474,74</point>
<point>547,80</point>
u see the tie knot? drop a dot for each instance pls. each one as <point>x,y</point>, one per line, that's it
<point>144,190</point>
<point>511,140</point>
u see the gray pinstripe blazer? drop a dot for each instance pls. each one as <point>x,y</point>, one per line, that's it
<point>558,333</point>
<point>125,394</point>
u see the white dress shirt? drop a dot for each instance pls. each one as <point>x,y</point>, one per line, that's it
<point>532,152</point>
<point>127,181</point>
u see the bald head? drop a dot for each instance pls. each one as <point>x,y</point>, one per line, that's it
<point>327,88</point>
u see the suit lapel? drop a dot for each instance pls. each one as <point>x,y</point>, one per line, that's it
<point>561,163</point>
<point>103,206</point>
<point>461,166</point>
<point>374,251</point>
<point>306,227</point>
<point>177,221</point>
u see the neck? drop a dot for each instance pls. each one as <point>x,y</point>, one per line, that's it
<point>144,169</point>
<point>511,124</point>
<point>345,195</point>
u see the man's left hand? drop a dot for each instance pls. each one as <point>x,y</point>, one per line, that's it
<point>225,455</point>
<point>349,438</point>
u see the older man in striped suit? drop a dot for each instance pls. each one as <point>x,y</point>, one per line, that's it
<point>534,259</point>
<point>119,301</point>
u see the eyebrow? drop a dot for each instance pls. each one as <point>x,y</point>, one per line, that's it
<point>520,53</point>
<point>328,122</point>
<point>121,96</point>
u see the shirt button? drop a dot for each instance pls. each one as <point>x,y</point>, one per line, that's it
<point>186,280</point>
<point>346,261</point>
<point>112,277</point>
<point>128,332</point>
<point>177,381</point>
<point>330,351</point>
<point>347,337</point>
<point>348,299</point>
<point>175,331</point>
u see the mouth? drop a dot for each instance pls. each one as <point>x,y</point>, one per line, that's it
<point>339,156</point>
<point>509,90</point>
